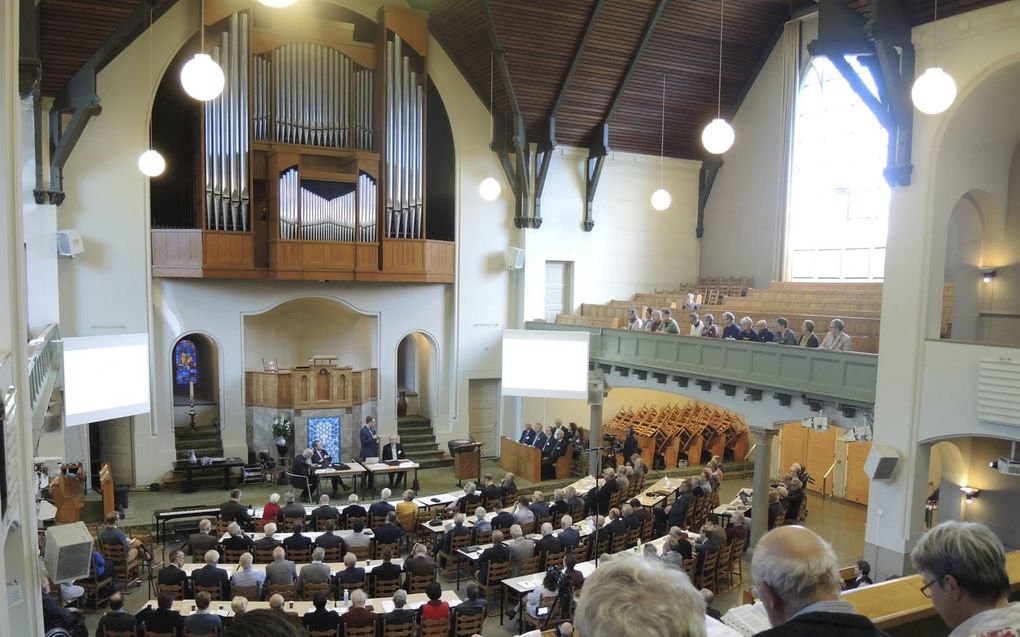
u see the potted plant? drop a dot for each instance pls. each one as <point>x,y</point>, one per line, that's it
<point>283,429</point>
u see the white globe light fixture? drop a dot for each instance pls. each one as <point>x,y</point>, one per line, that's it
<point>278,4</point>
<point>202,78</point>
<point>661,199</point>
<point>489,189</point>
<point>934,91</point>
<point>718,136</point>
<point>151,163</point>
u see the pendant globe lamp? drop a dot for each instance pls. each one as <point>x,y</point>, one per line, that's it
<point>934,90</point>
<point>202,78</point>
<point>150,162</point>
<point>661,198</point>
<point>277,4</point>
<point>489,189</point>
<point>718,136</point>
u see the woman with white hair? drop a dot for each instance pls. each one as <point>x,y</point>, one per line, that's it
<point>631,596</point>
<point>747,332</point>
<point>272,509</point>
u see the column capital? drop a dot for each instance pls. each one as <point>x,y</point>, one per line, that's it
<point>762,435</point>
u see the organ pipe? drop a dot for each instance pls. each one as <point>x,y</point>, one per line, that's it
<point>309,216</point>
<point>404,92</point>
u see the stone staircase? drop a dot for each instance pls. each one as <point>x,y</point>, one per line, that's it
<point>205,440</point>
<point>419,442</point>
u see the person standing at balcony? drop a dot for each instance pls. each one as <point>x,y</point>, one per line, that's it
<point>836,339</point>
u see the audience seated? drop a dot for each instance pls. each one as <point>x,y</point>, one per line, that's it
<point>358,537</point>
<point>246,576</point>
<point>474,602</point>
<point>202,622</point>
<point>569,537</point>
<point>233,511</point>
<point>615,524</point>
<point>265,623</point>
<point>798,583</point>
<point>630,519</point>
<point>468,501</point>
<point>297,540</point>
<point>776,510</point>
<point>116,618</point>
<point>498,553</point>
<point>387,571</point>
<point>236,539</point>
<point>324,511</point>
<point>291,509</point>
<point>709,597</point>
<point>353,510</point>
<point>765,335</point>
<point>711,329</point>
<point>320,618</point>
<point>400,614</point>
<point>267,542</point>
<point>407,511</point>
<point>481,524</point>
<point>862,572</point>
<point>836,339</point>
<point>783,334</point>
<point>162,619</point>
<point>276,603</point>
<point>626,594</point>
<point>111,534</point>
<point>272,509</point>
<point>737,530</point>
<point>435,607</point>
<point>390,532</point>
<point>549,542</point>
<point>522,512</point>
<point>507,486</point>
<point>548,588</point>
<point>239,605</point>
<point>520,546</point>
<point>490,492</point>
<point>794,501</point>
<point>570,570</point>
<point>204,540</point>
<point>964,569</point>
<point>538,505</point>
<point>382,507</point>
<point>747,332</point>
<point>730,329</point>
<point>420,562</point>
<point>211,574</point>
<point>281,571</point>
<point>329,539</point>
<point>503,520</point>
<point>807,335</point>
<point>351,573</point>
<point>173,574</point>
<point>314,573</point>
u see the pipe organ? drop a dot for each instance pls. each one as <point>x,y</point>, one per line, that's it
<point>313,158</point>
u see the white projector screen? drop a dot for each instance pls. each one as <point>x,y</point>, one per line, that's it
<point>545,364</point>
<point>105,377</point>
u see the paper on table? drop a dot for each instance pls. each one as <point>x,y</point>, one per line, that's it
<point>747,619</point>
<point>387,606</point>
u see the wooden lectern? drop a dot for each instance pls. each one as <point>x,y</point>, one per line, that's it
<point>467,460</point>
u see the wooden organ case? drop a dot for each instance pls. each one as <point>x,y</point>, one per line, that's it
<point>313,158</point>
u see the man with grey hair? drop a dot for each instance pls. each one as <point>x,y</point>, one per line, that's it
<point>211,574</point>
<point>382,507</point>
<point>634,321</point>
<point>963,565</point>
<point>280,571</point>
<point>291,509</point>
<point>520,546</point>
<point>569,537</point>
<point>399,614</point>
<point>325,511</point>
<point>204,540</point>
<point>302,474</point>
<point>314,573</point>
<point>246,576</point>
<point>631,596</point>
<point>798,582</point>
<point>267,542</point>
<point>836,339</point>
<point>549,544</point>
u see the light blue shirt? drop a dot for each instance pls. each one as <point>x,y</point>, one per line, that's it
<point>828,606</point>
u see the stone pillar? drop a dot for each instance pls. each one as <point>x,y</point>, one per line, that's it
<point>595,439</point>
<point>760,481</point>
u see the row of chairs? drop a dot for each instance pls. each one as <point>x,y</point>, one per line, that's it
<point>372,550</point>
<point>332,589</point>
<point>462,625</point>
<point>721,570</point>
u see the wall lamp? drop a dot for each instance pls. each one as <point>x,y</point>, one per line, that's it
<point>987,274</point>
<point>970,492</point>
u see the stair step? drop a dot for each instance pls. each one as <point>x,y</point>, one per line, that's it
<point>416,438</point>
<point>413,420</point>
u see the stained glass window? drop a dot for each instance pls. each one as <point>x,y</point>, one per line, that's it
<point>185,362</point>
<point>326,430</point>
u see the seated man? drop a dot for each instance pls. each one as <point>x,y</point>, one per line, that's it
<point>163,619</point>
<point>474,604</point>
<point>323,512</point>
<point>569,537</point>
<point>387,571</point>
<point>468,501</point>
<point>233,511</point>
<point>481,524</point>
<point>520,547</point>
<point>302,474</point>
<point>267,542</point>
<point>247,576</point>
<point>797,578</point>
<point>549,543</point>
<point>528,435</point>
<point>202,622</point>
<point>407,511</point>
<point>351,574</point>
<point>458,529</point>
<point>964,569</point>
<point>297,540</point>
<point>560,506</point>
<point>669,324</point>
<point>281,571</point>
<point>538,505</point>
<point>314,573</point>
<point>357,616</point>
<point>391,452</point>
<point>862,572</point>
<point>117,619</point>
<point>502,520</point>
<point>508,487</point>
<point>399,614</point>
<point>498,553</point>
<point>321,619</point>
<point>322,458</point>
<point>212,575</point>
<point>390,532</point>
<point>626,593</point>
<point>540,438</point>
<point>420,563</point>
<point>490,492</point>
<point>353,510</point>
<point>836,339</point>
<point>204,540</point>
<point>291,509</point>
<point>765,335</point>
<point>630,519</point>
<point>236,539</point>
<point>329,539</point>
<point>111,534</point>
<point>173,574</point>
<point>784,335</point>
<point>382,507</point>
<point>358,538</point>
<point>747,332</point>
<point>615,524</point>
<point>522,512</point>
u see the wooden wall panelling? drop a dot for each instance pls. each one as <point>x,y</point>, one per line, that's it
<point>440,260</point>
<point>857,482</point>
<point>410,24</point>
<point>403,256</point>
<point>321,387</point>
<point>228,250</point>
<point>793,447</point>
<point>375,383</point>
<point>367,257</point>
<point>821,453</point>
<point>177,252</point>
<point>266,389</point>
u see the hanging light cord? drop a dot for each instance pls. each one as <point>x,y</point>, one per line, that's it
<point>150,69</point>
<point>492,115</point>
<point>662,129</point>
<point>934,32</point>
<point>722,7</point>
<point>201,26</point>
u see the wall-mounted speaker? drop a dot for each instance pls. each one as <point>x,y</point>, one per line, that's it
<point>69,243</point>
<point>68,552</point>
<point>881,462</point>
<point>514,258</point>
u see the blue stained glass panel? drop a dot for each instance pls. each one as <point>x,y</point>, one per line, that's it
<point>326,430</point>
<point>185,362</point>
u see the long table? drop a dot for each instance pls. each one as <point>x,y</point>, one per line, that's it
<point>378,604</point>
<point>190,467</point>
<point>354,470</point>
<point>382,468</point>
<point>334,567</point>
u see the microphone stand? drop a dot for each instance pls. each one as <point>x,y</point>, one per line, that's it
<point>595,502</point>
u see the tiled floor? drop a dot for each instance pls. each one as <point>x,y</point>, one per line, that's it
<point>840,523</point>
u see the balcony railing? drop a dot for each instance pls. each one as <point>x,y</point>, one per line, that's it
<point>44,360</point>
<point>842,377</point>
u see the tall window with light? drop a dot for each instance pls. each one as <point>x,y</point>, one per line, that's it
<point>838,207</point>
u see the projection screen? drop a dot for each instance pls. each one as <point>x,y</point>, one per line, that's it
<point>105,377</point>
<point>544,364</point>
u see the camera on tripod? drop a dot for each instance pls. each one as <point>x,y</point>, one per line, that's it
<point>613,444</point>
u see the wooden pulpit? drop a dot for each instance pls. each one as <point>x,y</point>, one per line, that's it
<point>467,460</point>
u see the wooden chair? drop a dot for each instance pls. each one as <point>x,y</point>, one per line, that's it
<point>510,500</point>
<point>364,631</point>
<point>537,623</point>
<point>580,552</point>
<point>286,590</point>
<point>215,592</point>
<point>263,556</point>
<point>689,565</point>
<point>320,523</point>
<point>553,559</point>
<point>308,591</point>
<point>528,565</point>
<point>467,624</point>
<point>618,543</point>
<point>632,537</point>
<point>375,520</point>
<point>528,528</point>
<point>449,560</point>
<point>350,586</point>
<point>233,556</point>
<point>647,529</point>
<point>362,552</point>
<point>577,512</point>
<point>435,628</point>
<point>483,537</point>
<point>175,591</point>
<point>221,527</point>
<point>377,549</point>
<point>260,525</point>
<point>722,572</point>
<point>332,554</point>
<point>495,573</point>
<point>288,523</point>
<point>602,546</point>
<point>349,522</point>
<point>97,589</point>
<point>324,633</point>
<point>418,583</point>
<point>251,593</point>
<point>736,565</point>
<point>300,556</point>
<point>399,630</point>
<point>385,587</point>
<point>118,566</point>
<point>706,577</point>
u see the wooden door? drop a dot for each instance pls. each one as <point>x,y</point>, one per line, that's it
<point>792,447</point>
<point>116,445</point>
<point>857,482</point>
<point>821,454</point>
<point>558,289</point>
<point>483,419</point>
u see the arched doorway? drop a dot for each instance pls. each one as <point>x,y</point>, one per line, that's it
<point>417,375</point>
<point>195,384</point>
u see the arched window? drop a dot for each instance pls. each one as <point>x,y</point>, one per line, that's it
<point>838,206</point>
<point>185,362</point>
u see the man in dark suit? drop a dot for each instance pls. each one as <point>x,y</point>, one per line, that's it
<point>569,537</point>
<point>353,510</point>
<point>862,572</point>
<point>320,618</point>
<point>233,511</point>
<point>498,553</point>
<point>173,574</point>
<point>528,435</point>
<point>555,449</point>
<point>794,501</point>
<point>117,619</point>
<point>236,539</point>
<point>630,520</point>
<point>393,450</point>
<point>630,445</point>
<point>805,603</point>
<point>163,619</point>
<point>204,540</point>
<point>387,571</point>
<point>330,540</point>
<point>390,532</point>
<point>399,614</point>
<point>291,509</point>
<point>615,525</point>
<point>352,573</point>
<point>303,474</point>
<point>323,512</point>
<point>369,439</point>
<point>321,458</point>
<point>212,575</point>
<point>202,622</point>
<point>491,494</point>
<point>503,520</point>
<point>267,542</point>
<point>446,542</point>
<point>382,507</point>
<point>540,437</point>
<point>548,544</point>
<point>676,513</point>
<point>508,487</point>
<point>297,541</point>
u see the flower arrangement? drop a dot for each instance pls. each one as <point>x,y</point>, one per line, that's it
<point>283,430</point>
